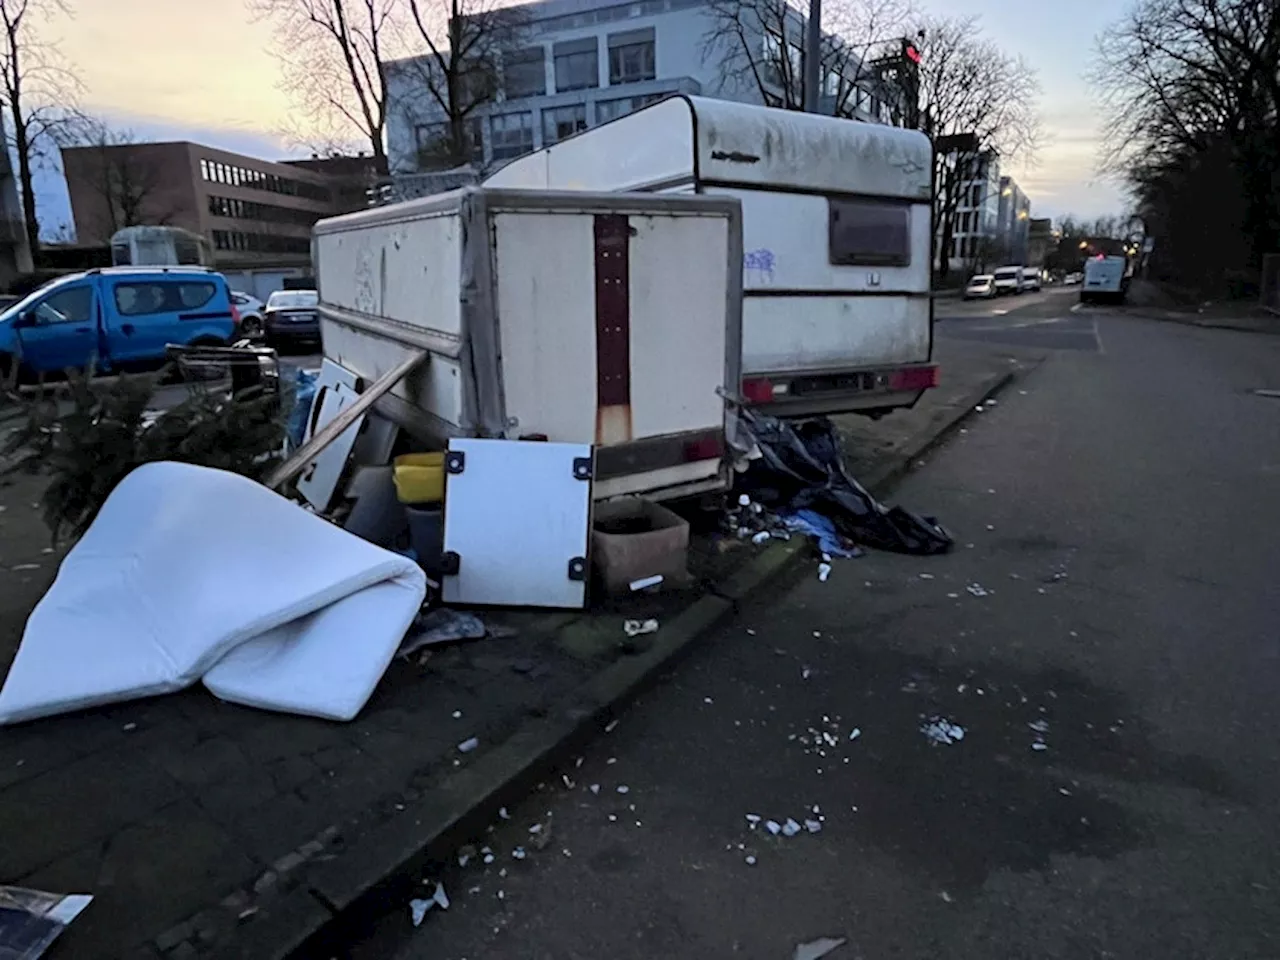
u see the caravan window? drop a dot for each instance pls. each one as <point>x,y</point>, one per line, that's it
<point>869,232</point>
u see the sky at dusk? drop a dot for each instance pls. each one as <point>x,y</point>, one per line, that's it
<point>203,70</point>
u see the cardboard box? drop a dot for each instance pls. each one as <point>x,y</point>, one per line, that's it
<point>633,538</point>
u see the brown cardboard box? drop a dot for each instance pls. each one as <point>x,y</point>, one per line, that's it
<point>633,538</point>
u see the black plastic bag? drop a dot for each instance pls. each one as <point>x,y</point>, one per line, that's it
<point>800,467</point>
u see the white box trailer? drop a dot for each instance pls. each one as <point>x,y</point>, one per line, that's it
<point>837,217</point>
<point>606,319</point>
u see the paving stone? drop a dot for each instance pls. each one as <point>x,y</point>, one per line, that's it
<point>88,799</point>
<point>148,878</point>
<point>282,824</point>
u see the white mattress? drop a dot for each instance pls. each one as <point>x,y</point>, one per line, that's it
<point>190,573</point>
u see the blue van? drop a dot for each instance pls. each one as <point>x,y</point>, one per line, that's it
<point>118,318</point>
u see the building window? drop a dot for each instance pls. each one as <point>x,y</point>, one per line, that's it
<point>525,73</point>
<point>607,110</point>
<point>977,195</point>
<point>577,64</point>
<point>433,142</point>
<point>563,122</point>
<point>861,101</point>
<point>632,58</point>
<point>869,233</point>
<point>511,134</point>
<point>773,67</point>
<point>242,242</point>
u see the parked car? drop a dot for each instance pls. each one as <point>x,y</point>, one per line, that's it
<point>119,318</point>
<point>981,287</point>
<point>1007,280</point>
<point>1031,278</point>
<point>292,317</point>
<point>1071,279</point>
<point>251,313</point>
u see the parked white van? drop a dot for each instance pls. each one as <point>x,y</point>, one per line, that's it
<point>837,314</point>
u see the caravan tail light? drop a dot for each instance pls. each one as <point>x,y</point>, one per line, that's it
<point>914,378</point>
<point>757,390</point>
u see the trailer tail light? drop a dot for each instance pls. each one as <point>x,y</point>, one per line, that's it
<point>757,390</point>
<point>914,378</point>
<point>708,447</point>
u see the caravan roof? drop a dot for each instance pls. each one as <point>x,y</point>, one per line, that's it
<point>703,140</point>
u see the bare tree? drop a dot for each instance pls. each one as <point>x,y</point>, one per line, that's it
<point>758,47</point>
<point>977,101</point>
<point>334,54</point>
<point>127,182</point>
<point>468,44</point>
<point>38,92</point>
<point>1191,90</point>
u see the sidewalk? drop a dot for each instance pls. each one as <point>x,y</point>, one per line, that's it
<point>1146,300</point>
<point>205,829</point>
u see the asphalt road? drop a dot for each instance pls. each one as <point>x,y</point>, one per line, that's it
<point>1106,636</point>
<point>1052,319</point>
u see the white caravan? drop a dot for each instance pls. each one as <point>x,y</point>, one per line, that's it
<point>837,314</point>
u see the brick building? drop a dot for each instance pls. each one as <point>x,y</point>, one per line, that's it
<point>256,214</point>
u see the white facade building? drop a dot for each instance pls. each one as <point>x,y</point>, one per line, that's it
<point>584,62</point>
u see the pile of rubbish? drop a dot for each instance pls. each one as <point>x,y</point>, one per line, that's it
<point>799,483</point>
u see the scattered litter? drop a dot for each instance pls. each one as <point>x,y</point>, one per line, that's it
<point>762,537</point>
<point>30,920</point>
<point>488,856</point>
<point>1039,745</point>
<point>753,819</point>
<point>744,500</point>
<point>813,826</point>
<point>816,949</point>
<point>824,571</point>
<point>939,730</point>
<point>953,596</point>
<point>457,714</point>
<point>502,894</point>
<point>1039,726</point>
<point>790,828</point>
<point>518,853</point>
<point>946,897</point>
<point>773,827</point>
<point>502,813</point>
<point>750,632</point>
<point>464,856</point>
<point>441,625</point>
<point>473,890</point>
<point>637,628</point>
<point>612,760</point>
<point>595,788</point>
<point>613,818</point>
<point>978,590</point>
<point>707,700</point>
<point>466,746</point>
<point>855,733</point>
<point>644,583</point>
<point>806,673</point>
<point>536,828</point>
<point>751,861</point>
<point>418,908</point>
<point>24,566</point>
<point>623,788</point>
<point>926,576</point>
<point>823,532</point>
<point>129,727</point>
<point>609,728</point>
<point>568,783</point>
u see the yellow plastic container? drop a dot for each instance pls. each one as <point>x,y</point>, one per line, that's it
<point>419,477</point>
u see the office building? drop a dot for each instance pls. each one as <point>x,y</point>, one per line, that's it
<point>1013,221</point>
<point>584,62</point>
<point>256,214</point>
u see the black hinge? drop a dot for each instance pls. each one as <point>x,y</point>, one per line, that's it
<point>450,563</point>
<point>455,461</point>
<point>578,568</point>
<point>582,468</point>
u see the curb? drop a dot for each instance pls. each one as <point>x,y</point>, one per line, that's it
<point>1170,316</point>
<point>360,882</point>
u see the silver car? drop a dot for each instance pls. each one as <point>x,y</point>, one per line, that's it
<point>981,287</point>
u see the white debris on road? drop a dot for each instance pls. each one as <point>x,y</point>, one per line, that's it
<point>817,949</point>
<point>824,571</point>
<point>418,908</point>
<point>637,628</point>
<point>940,730</point>
<point>978,590</point>
<point>466,746</point>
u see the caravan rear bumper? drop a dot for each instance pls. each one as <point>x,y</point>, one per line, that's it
<point>830,392</point>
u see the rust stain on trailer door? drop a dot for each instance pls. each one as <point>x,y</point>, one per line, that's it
<point>613,328</point>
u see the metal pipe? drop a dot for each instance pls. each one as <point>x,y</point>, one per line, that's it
<point>813,57</point>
